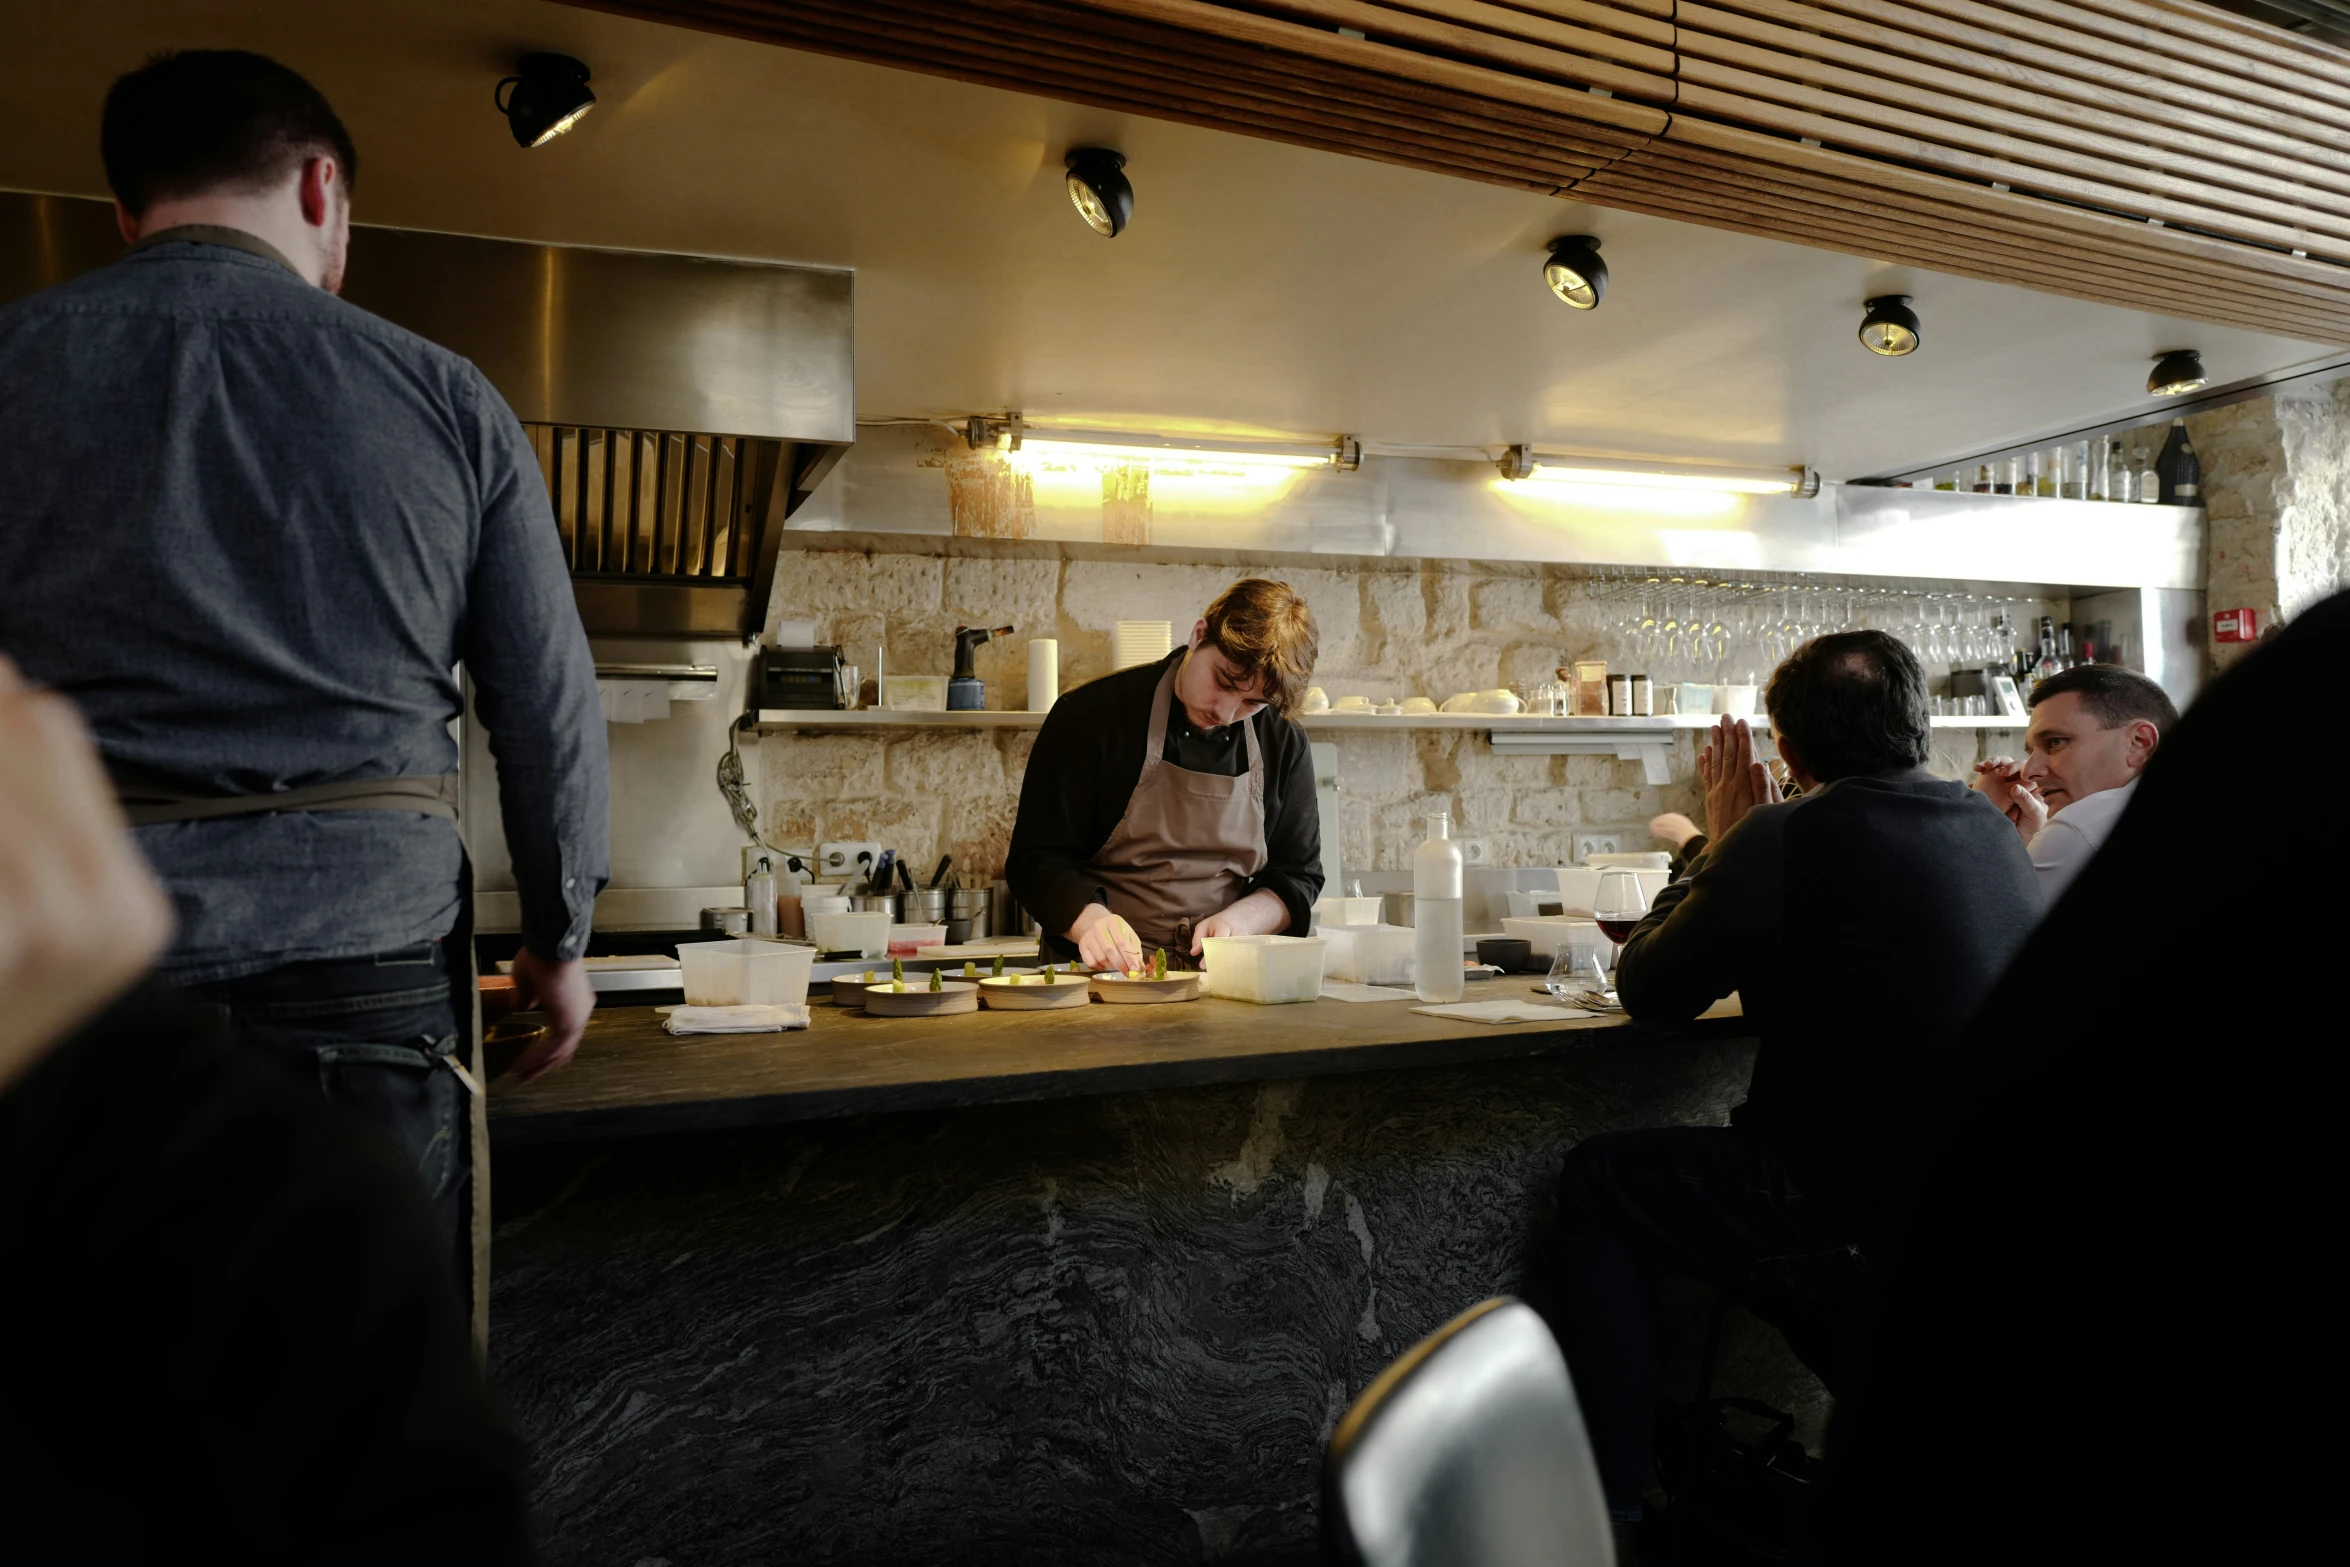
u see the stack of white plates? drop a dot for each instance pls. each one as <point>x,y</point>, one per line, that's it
<point>1142,642</point>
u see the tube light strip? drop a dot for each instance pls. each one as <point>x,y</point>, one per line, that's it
<point>1734,484</point>
<point>1106,454</point>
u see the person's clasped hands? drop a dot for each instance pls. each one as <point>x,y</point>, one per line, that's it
<point>1735,780</point>
<point>2001,781</point>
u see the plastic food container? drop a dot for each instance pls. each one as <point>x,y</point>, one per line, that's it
<point>1347,911</point>
<point>745,971</point>
<point>906,940</point>
<point>914,693</point>
<point>864,934</point>
<point>1264,969</point>
<point>1371,954</point>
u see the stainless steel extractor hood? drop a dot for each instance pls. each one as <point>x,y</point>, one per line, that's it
<point>682,407</point>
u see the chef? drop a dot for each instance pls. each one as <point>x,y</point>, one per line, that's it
<point>1175,801</point>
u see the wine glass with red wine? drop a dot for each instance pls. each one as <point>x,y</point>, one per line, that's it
<point>1619,907</point>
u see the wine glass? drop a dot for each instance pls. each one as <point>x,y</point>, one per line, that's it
<point>1618,907</point>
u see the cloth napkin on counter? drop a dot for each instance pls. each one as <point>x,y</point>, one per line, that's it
<point>1505,1012</point>
<point>734,1020</point>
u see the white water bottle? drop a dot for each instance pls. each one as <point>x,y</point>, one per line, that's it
<point>1436,914</point>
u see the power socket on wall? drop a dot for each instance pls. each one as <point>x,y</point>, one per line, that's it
<point>1473,852</point>
<point>1589,843</point>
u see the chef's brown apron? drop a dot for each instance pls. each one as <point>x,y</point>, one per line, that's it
<point>149,802</point>
<point>1188,843</point>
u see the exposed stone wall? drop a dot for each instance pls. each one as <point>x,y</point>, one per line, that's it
<point>2276,478</point>
<point>1387,630</point>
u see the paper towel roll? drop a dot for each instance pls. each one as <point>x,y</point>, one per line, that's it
<point>1044,674</point>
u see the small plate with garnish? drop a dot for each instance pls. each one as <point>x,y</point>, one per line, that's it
<point>933,997</point>
<point>1143,986</point>
<point>1036,992</point>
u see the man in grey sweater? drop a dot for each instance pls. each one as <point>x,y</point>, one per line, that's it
<point>252,532</point>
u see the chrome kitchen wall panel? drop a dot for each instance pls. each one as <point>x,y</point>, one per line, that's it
<point>622,339</point>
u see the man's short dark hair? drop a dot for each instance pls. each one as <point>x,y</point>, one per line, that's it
<point>214,119</point>
<point>1853,703</point>
<point>2112,695</point>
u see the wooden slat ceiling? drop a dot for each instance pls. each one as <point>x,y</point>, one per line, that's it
<point>2158,154</point>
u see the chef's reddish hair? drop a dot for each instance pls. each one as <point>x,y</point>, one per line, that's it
<point>1265,631</point>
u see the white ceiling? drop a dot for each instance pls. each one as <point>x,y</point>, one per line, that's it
<point>1262,288</point>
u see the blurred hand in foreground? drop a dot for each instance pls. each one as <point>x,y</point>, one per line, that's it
<point>80,915</point>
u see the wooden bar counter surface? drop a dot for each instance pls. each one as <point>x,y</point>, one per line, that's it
<point>631,1076</point>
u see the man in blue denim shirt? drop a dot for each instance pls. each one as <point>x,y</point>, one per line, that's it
<point>251,531</point>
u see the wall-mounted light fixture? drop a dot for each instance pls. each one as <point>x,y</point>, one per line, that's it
<point>1890,327</point>
<point>1099,189</point>
<point>1521,465</point>
<point>550,94</point>
<point>2177,371</point>
<point>1574,271</point>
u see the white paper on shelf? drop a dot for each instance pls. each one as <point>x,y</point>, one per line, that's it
<point>1347,990</point>
<point>1505,1012</point>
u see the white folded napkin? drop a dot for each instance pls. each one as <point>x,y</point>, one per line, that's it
<point>735,1020</point>
<point>1505,1012</point>
<point>1347,990</point>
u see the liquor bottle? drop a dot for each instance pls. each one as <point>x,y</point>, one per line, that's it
<point>2180,472</point>
<point>2051,465</point>
<point>2095,489</point>
<point>2064,648</point>
<point>1982,478</point>
<point>2076,471</point>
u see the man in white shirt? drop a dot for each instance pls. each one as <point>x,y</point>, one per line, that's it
<point>2093,731</point>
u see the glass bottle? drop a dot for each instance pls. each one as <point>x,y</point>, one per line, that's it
<point>2094,486</point>
<point>2180,471</point>
<point>2051,466</point>
<point>2033,477</point>
<point>1437,975</point>
<point>2149,486</point>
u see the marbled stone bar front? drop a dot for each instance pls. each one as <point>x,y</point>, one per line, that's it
<point>1097,1330</point>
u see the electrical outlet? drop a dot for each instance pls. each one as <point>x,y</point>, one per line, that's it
<point>1473,851</point>
<point>1589,843</point>
<point>840,861</point>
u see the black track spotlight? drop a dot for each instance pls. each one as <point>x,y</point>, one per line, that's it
<point>1099,189</point>
<point>2177,372</point>
<point>1574,271</point>
<point>1890,327</point>
<point>550,94</point>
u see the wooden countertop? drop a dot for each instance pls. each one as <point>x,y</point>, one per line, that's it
<point>632,1077</point>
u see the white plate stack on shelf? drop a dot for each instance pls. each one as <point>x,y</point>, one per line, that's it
<point>1141,642</point>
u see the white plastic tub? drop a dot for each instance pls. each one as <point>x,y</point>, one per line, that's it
<point>906,940</point>
<point>865,934</point>
<point>1265,969</point>
<point>745,971</point>
<point>1370,954</point>
<point>1347,911</point>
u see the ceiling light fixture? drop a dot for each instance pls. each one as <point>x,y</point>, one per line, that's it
<point>1099,189</point>
<point>550,94</point>
<point>1890,327</point>
<point>1574,271</point>
<point>1519,465</point>
<point>2177,371</point>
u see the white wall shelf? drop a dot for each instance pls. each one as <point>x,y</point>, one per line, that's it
<point>881,718</point>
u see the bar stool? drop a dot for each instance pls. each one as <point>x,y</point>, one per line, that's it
<point>1468,1451</point>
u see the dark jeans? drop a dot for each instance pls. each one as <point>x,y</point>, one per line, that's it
<point>1710,1202</point>
<point>375,1035</point>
